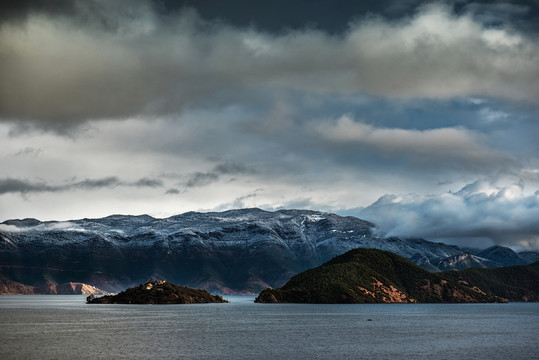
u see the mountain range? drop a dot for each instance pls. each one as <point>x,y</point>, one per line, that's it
<point>231,252</point>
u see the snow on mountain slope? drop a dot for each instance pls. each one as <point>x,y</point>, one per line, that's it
<point>236,251</point>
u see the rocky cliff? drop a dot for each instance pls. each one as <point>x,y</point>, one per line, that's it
<point>8,287</point>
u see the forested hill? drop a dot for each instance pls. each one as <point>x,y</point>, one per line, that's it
<point>372,276</point>
<point>515,283</point>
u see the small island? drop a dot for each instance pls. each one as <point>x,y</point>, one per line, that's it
<point>158,292</point>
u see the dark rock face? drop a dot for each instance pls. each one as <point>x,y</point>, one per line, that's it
<point>231,252</point>
<point>372,276</point>
<point>158,292</point>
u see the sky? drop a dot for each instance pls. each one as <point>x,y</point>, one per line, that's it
<point>420,116</point>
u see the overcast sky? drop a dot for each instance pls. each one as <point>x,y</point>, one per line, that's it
<point>420,116</point>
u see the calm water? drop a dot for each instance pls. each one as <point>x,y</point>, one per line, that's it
<point>64,327</point>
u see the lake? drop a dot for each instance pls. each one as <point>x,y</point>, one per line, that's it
<point>65,327</point>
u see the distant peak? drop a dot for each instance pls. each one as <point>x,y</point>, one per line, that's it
<point>498,248</point>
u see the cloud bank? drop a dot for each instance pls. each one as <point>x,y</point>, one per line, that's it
<point>481,210</point>
<point>57,72</point>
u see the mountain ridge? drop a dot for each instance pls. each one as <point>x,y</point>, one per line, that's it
<point>240,251</point>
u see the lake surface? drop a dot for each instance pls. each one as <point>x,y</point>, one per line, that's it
<point>65,327</point>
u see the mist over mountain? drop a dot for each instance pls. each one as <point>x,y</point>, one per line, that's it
<point>236,251</point>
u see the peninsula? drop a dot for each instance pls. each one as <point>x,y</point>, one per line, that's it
<point>373,276</point>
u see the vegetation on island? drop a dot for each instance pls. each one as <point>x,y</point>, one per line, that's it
<point>158,292</point>
<point>514,283</point>
<point>373,276</point>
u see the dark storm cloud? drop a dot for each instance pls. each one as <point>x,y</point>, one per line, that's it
<point>146,182</point>
<point>233,168</point>
<point>503,214</point>
<point>57,72</point>
<point>13,11</point>
<point>334,16</point>
<point>93,183</point>
<point>201,179</point>
<point>227,168</point>
<point>103,15</point>
<point>328,15</point>
<point>10,185</point>
<point>280,15</point>
<point>523,14</point>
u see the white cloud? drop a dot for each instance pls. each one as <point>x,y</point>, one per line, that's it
<point>488,115</point>
<point>504,214</point>
<point>441,146</point>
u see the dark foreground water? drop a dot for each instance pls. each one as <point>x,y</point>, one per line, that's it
<point>64,327</point>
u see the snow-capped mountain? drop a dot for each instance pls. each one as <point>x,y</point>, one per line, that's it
<point>236,251</point>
